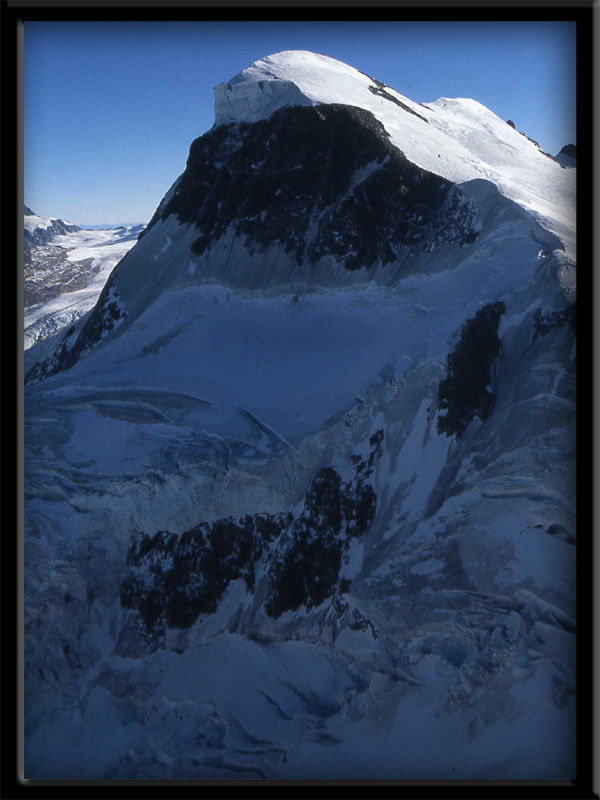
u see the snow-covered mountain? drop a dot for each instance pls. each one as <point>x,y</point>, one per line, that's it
<point>65,269</point>
<point>41,230</point>
<point>300,487</point>
<point>567,156</point>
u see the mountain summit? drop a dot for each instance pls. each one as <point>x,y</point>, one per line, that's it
<point>317,175</point>
<point>458,139</point>
<point>305,472</point>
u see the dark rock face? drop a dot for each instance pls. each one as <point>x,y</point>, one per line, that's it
<point>289,179</point>
<point>308,559</point>
<point>544,323</point>
<point>171,580</point>
<point>466,391</point>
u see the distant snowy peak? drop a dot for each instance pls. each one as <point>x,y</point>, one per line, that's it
<point>458,139</point>
<point>42,230</point>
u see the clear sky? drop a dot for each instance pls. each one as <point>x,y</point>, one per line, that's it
<point>112,108</point>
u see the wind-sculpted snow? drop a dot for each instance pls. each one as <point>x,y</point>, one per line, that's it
<point>300,489</point>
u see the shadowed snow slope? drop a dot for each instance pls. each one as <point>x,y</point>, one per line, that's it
<point>299,488</point>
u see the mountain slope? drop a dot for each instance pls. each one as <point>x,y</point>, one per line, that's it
<point>300,487</point>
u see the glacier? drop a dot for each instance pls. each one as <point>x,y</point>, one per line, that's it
<point>65,270</point>
<point>300,485</point>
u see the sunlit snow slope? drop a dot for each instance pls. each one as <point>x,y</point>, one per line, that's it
<point>300,486</point>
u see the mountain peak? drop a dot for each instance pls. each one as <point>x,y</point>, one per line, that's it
<point>293,77</point>
<point>306,467</point>
<point>459,139</point>
<point>42,230</point>
<point>567,157</point>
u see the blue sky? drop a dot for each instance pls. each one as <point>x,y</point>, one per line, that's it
<point>112,108</point>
